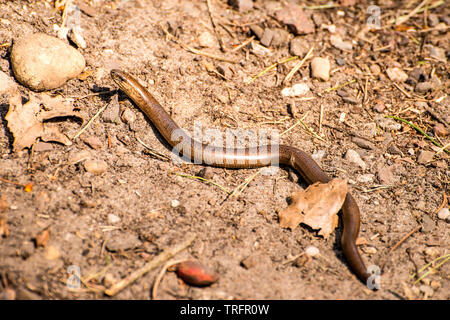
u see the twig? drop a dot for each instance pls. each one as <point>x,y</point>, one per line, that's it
<point>90,121</point>
<point>294,125</point>
<point>270,68</point>
<point>404,238</point>
<point>243,44</point>
<point>202,179</point>
<point>412,125</point>
<point>152,151</point>
<point>339,86</point>
<point>297,66</point>
<point>222,46</point>
<point>164,256</point>
<point>240,188</point>
<point>161,275</point>
<point>403,19</point>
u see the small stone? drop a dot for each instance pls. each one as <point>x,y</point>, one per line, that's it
<point>207,40</point>
<point>424,87</point>
<point>433,20</point>
<point>111,114</point>
<point>396,74</point>
<point>295,19</point>
<point>241,5</point>
<point>425,156</point>
<point>95,166</point>
<point>312,251</point>
<point>318,155</point>
<point>393,149</point>
<point>250,261</point>
<point>337,42</point>
<point>280,38</point>
<point>375,69</point>
<point>340,62</point>
<point>388,124</point>
<point>435,52</point>
<point>370,250</point>
<point>363,143</point>
<point>298,47</point>
<point>444,214</point>
<point>440,130</point>
<point>258,49</point>
<point>320,68</point>
<point>174,203</point>
<point>417,74</point>
<point>93,142</point>
<point>128,116</point>
<point>365,178</point>
<point>113,218</point>
<point>353,157</point>
<point>122,241</point>
<point>225,70</point>
<point>267,37</point>
<point>257,30</point>
<point>75,34</point>
<point>42,62</point>
<point>206,173</point>
<point>379,107</point>
<point>79,156</point>
<point>386,176</point>
<point>428,224</point>
<point>109,280</point>
<point>298,89</point>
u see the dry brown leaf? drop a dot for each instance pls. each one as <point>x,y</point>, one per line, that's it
<point>26,121</point>
<point>317,206</point>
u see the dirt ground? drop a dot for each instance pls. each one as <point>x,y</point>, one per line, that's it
<point>109,225</point>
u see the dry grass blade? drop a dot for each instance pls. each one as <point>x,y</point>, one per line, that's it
<point>297,66</point>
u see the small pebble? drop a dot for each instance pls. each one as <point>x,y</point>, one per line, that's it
<point>280,38</point>
<point>174,203</point>
<point>396,74</point>
<point>207,40</point>
<point>365,178</point>
<point>370,250</point>
<point>440,130</point>
<point>375,69</point>
<point>435,52</point>
<point>225,70</point>
<point>363,143</point>
<point>77,156</point>
<point>93,142</point>
<point>113,218</point>
<point>241,5</point>
<point>424,87</point>
<point>444,214</point>
<point>258,49</point>
<point>432,252</point>
<point>267,37</point>
<point>42,62</point>
<point>95,166</point>
<point>320,68</point>
<point>425,156</point>
<point>122,241</point>
<point>312,251</point>
<point>293,16</point>
<point>298,47</point>
<point>428,224</point>
<point>386,175</point>
<point>298,89</point>
<point>426,290</point>
<point>353,157</point>
<point>336,41</point>
<point>388,124</point>
<point>51,252</point>
<point>257,31</point>
<point>128,116</point>
<point>379,107</point>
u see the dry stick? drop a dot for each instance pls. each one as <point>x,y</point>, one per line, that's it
<point>90,121</point>
<point>161,275</point>
<point>403,19</point>
<point>152,151</point>
<point>243,44</point>
<point>164,256</point>
<point>297,66</point>
<point>444,203</point>
<point>222,46</point>
<point>404,238</point>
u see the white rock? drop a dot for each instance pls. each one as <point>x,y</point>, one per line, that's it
<point>312,251</point>
<point>365,178</point>
<point>112,218</point>
<point>298,89</point>
<point>444,214</point>
<point>396,74</point>
<point>42,62</point>
<point>174,203</point>
<point>353,157</point>
<point>336,41</point>
<point>318,155</point>
<point>320,68</point>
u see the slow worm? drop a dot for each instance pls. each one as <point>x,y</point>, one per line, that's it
<point>245,158</point>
